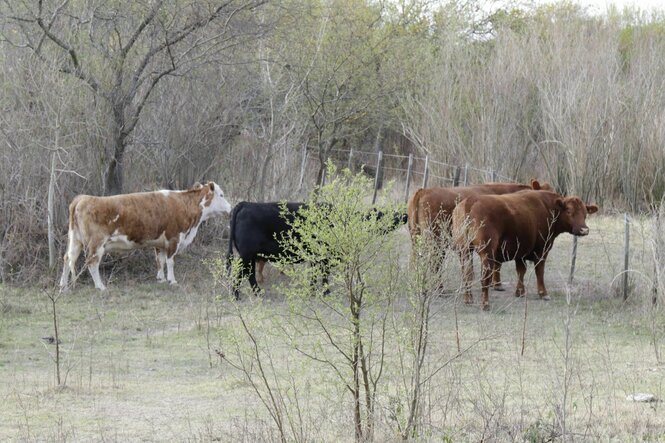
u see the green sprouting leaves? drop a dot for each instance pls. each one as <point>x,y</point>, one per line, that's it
<point>339,232</point>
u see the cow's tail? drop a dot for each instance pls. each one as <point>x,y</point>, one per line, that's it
<point>232,229</point>
<point>413,213</point>
<point>74,245</point>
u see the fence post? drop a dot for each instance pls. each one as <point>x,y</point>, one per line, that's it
<point>626,254</point>
<point>302,167</point>
<point>458,171</point>
<point>408,178</point>
<point>350,156</point>
<point>494,176</point>
<point>376,176</point>
<point>466,174</point>
<point>426,173</point>
<point>572,261</point>
<point>657,257</point>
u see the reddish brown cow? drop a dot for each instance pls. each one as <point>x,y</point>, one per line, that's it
<point>520,227</point>
<point>431,208</point>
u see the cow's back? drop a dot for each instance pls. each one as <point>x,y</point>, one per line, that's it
<point>257,226</point>
<point>514,225</point>
<point>430,207</point>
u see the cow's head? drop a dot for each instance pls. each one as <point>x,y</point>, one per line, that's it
<point>213,202</point>
<point>573,214</point>
<point>538,186</point>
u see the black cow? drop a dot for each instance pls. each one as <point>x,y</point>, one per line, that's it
<point>257,228</point>
<point>254,231</point>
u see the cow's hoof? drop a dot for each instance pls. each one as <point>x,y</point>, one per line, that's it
<point>468,300</point>
<point>173,283</point>
<point>486,307</point>
<point>545,297</point>
<point>499,287</point>
<point>519,293</point>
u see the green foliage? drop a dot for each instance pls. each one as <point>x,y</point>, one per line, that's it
<point>515,19</point>
<point>338,235</point>
<point>340,231</point>
<point>634,35</point>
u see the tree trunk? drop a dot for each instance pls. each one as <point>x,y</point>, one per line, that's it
<point>52,251</point>
<point>355,366</point>
<point>114,173</point>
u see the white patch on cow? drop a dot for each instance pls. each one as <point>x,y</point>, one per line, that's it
<point>217,206</point>
<point>161,261</point>
<point>119,242</point>
<point>94,269</point>
<point>187,237</point>
<point>164,192</point>
<point>169,271</point>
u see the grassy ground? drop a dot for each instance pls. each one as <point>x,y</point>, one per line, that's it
<point>139,361</point>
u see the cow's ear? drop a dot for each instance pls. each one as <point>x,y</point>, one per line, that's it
<point>535,185</point>
<point>197,185</point>
<point>560,203</point>
<point>211,185</point>
<point>591,209</point>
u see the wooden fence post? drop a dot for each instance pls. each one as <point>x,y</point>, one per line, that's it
<point>408,178</point>
<point>376,176</point>
<point>426,173</point>
<point>350,157</point>
<point>302,167</point>
<point>626,254</point>
<point>493,175</point>
<point>572,261</point>
<point>466,174</point>
<point>657,256</point>
<point>458,171</point>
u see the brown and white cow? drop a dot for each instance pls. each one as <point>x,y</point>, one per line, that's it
<point>430,209</point>
<point>165,220</point>
<point>520,226</point>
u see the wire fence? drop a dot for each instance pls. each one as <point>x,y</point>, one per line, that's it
<point>415,172</point>
<point>622,256</point>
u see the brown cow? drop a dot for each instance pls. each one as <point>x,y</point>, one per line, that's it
<point>432,208</point>
<point>165,220</point>
<point>520,227</point>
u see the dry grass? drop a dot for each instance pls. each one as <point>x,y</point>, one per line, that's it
<point>140,362</point>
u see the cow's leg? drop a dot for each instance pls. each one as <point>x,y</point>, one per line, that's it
<point>170,277</point>
<point>325,273</point>
<point>496,279</point>
<point>95,254</point>
<point>160,256</point>
<point>250,267</point>
<point>467,274</point>
<point>260,264</point>
<point>540,279</point>
<point>170,255</point>
<point>487,264</point>
<point>520,265</point>
<point>74,248</point>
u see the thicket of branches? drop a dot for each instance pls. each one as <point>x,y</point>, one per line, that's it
<point>138,95</point>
